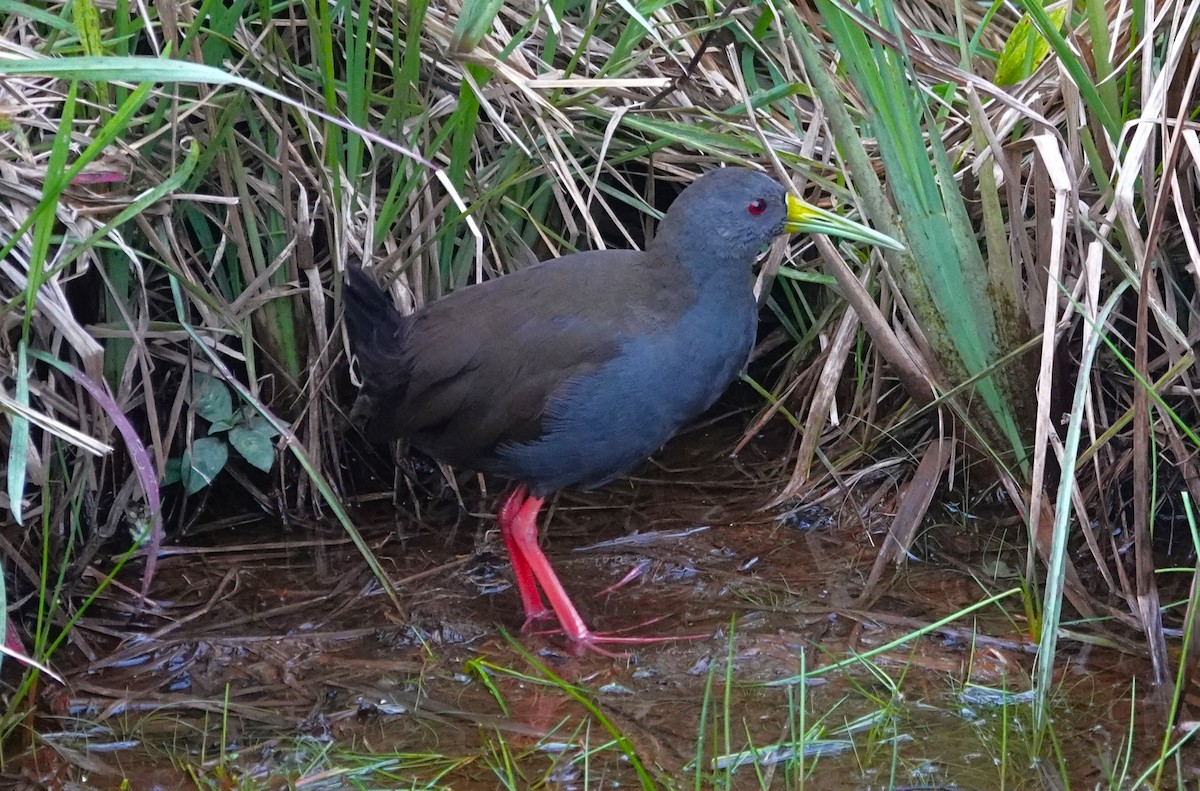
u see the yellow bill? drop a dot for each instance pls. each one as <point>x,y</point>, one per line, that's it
<point>804,217</point>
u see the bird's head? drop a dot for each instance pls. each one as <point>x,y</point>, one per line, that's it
<point>734,212</point>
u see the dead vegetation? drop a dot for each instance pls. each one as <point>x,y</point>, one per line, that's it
<point>173,247</point>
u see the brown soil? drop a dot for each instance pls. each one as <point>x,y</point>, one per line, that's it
<point>272,658</point>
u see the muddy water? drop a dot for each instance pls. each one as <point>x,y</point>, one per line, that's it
<point>278,662</point>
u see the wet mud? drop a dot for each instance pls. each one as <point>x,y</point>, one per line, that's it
<point>272,659</point>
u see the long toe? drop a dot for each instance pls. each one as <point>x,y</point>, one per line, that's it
<point>535,619</point>
<point>596,642</point>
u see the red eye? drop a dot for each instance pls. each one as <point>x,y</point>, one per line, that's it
<point>757,206</point>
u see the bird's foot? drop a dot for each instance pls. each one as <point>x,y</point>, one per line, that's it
<point>596,642</point>
<point>532,619</point>
<point>586,641</point>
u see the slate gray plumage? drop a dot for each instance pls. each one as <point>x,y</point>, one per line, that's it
<point>572,371</point>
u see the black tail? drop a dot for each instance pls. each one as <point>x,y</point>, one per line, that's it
<point>377,338</point>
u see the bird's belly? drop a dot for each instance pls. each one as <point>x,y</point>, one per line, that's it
<point>601,425</point>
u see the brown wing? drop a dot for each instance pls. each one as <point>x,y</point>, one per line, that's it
<point>476,369</point>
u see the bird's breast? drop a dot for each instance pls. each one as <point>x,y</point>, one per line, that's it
<point>600,424</point>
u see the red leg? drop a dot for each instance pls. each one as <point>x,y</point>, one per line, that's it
<point>525,538</point>
<point>531,600</point>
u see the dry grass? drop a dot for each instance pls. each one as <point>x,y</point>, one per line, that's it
<point>205,229</point>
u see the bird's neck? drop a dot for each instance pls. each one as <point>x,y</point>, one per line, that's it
<point>713,274</point>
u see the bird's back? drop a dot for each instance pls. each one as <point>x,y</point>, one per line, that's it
<point>477,371</point>
<point>567,372</point>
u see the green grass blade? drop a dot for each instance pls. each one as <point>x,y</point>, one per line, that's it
<point>162,70</point>
<point>945,260</point>
<point>1057,562</point>
<point>18,448</point>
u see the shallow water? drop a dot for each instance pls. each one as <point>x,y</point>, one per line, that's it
<point>275,660</point>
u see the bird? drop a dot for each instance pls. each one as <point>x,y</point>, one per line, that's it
<point>570,372</point>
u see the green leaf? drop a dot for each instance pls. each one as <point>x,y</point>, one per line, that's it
<point>474,22</point>
<point>18,447</point>
<point>259,424</point>
<point>247,418</point>
<point>200,465</point>
<point>171,472</point>
<point>255,448</point>
<point>1075,67</point>
<point>211,399</point>
<point>87,20</point>
<point>13,8</point>
<point>1025,49</point>
<point>124,69</point>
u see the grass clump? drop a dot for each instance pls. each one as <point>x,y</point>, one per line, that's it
<point>186,185</point>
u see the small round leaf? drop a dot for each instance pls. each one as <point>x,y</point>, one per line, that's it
<point>254,447</point>
<point>202,462</point>
<point>211,399</point>
<point>260,425</point>
<point>171,472</point>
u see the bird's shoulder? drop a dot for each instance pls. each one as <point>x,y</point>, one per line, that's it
<point>589,299</point>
